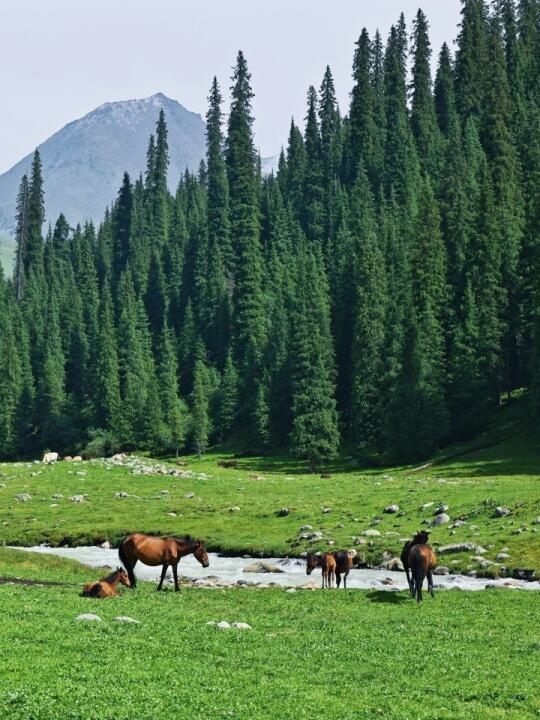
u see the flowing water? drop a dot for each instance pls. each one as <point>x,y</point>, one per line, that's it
<point>230,570</point>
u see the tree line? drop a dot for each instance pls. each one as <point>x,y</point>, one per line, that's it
<point>377,294</point>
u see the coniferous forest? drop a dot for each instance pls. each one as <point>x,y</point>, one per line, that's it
<point>377,294</point>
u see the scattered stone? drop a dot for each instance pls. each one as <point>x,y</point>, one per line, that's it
<point>331,542</point>
<point>77,498</point>
<point>121,494</point>
<point>441,570</point>
<point>171,514</point>
<point>393,564</point>
<point>502,511</point>
<point>480,550</point>
<point>441,509</point>
<point>536,521</point>
<point>68,458</point>
<point>326,509</point>
<point>234,509</point>
<point>211,622</point>
<point>522,574</point>
<point>90,617</point>
<point>457,523</point>
<point>105,545</point>
<point>77,458</point>
<point>50,457</point>
<point>165,492</point>
<point>440,519</point>
<point>227,463</point>
<point>457,548</point>
<point>306,527</point>
<point>241,626</point>
<point>283,512</point>
<point>309,585</point>
<point>390,509</point>
<point>189,495</point>
<point>223,625</point>
<point>290,590</point>
<point>371,533</point>
<point>502,556</point>
<point>81,473</point>
<point>23,497</point>
<point>427,505</point>
<point>262,567</point>
<point>127,619</point>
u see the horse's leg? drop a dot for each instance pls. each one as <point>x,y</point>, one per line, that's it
<point>163,572</point>
<point>129,563</point>
<point>409,583</point>
<point>338,579</point>
<point>430,582</point>
<point>175,575</point>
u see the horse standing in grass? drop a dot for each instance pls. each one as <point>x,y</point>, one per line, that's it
<point>344,563</point>
<point>327,563</point>
<point>165,551</point>
<point>106,587</point>
<point>420,538</point>
<point>421,561</point>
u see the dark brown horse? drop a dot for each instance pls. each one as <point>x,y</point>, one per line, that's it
<point>165,551</point>
<point>327,563</point>
<point>106,587</point>
<point>344,563</point>
<point>421,561</point>
<point>420,538</point>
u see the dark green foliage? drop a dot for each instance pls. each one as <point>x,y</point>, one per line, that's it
<point>379,294</point>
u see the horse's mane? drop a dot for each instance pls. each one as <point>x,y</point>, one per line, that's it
<point>187,539</point>
<point>420,538</point>
<point>109,578</point>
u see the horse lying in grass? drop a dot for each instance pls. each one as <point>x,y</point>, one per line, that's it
<point>327,563</point>
<point>106,587</point>
<point>165,551</point>
<point>419,560</point>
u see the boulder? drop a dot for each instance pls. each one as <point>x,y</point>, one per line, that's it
<point>241,626</point>
<point>68,458</point>
<point>262,567</point>
<point>127,619</point>
<point>326,509</point>
<point>50,457</point>
<point>223,625</point>
<point>393,564</point>
<point>502,556</point>
<point>77,458</point>
<point>441,570</point>
<point>121,494</point>
<point>536,521</point>
<point>57,496</point>
<point>77,498</point>
<point>89,617</point>
<point>371,533</point>
<point>427,505</point>
<point>440,519</point>
<point>234,509</point>
<point>390,509</point>
<point>283,512</point>
<point>441,509</point>
<point>23,497</point>
<point>306,527</point>
<point>105,545</point>
<point>502,511</point>
<point>457,548</point>
<point>189,495</point>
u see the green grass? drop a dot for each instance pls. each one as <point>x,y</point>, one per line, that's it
<point>311,654</point>
<point>472,485</point>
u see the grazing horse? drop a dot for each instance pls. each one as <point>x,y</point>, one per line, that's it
<point>421,561</point>
<point>106,587</point>
<point>165,551</point>
<point>344,563</point>
<point>327,563</point>
<point>420,538</point>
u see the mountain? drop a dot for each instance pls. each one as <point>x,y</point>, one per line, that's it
<point>83,162</point>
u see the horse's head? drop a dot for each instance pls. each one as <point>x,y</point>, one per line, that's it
<point>313,561</point>
<point>200,553</point>
<point>122,577</point>
<point>421,538</point>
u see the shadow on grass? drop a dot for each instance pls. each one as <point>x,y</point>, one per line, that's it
<point>387,597</point>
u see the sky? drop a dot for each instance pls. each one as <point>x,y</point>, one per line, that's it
<point>62,58</point>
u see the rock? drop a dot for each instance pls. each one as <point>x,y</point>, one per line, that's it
<point>223,625</point>
<point>23,497</point>
<point>427,505</point>
<point>290,590</point>
<point>441,570</point>
<point>479,550</point>
<point>241,626</point>
<point>77,498</point>
<point>536,521</point>
<point>457,523</point>
<point>81,473</point>
<point>121,494</point>
<point>68,458</point>
<point>440,519</point>
<point>326,509</point>
<point>371,533</point>
<point>171,514</point>
<point>502,556</point>
<point>189,495</point>
<point>393,564</point>
<point>262,567</point>
<point>502,511</point>
<point>457,548</point>
<point>523,574</point>
<point>359,541</point>
<point>105,545</point>
<point>283,512</point>
<point>390,509</point>
<point>317,535</point>
<point>441,509</point>
<point>127,619</point>
<point>165,492</point>
<point>90,617</point>
<point>50,457</point>
<point>77,458</point>
<point>118,458</point>
<point>234,509</point>
<point>306,527</point>
<point>331,542</point>
<point>211,622</point>
<point>309,585</point>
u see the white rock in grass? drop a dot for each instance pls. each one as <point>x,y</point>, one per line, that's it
<point>127,619</point>
<point>23,497</point>
<point>211,622</point>
<point>223,625</point>
<point>77,498</point>
<point>90,617</point>
<point>241,626</point>
<point>371,533</point>
<point>502,511</point>
<point>440,519</point>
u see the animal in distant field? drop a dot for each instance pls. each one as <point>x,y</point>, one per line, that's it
<point>327,563</point>
<point>106,587</point>
<point>165,551</point>
<point>344,563</point>
<point>227,463</point>
<point>422,538</point>
<point>50,457</point>
<point>421,561</point>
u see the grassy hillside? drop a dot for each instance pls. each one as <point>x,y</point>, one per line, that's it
<point>309,654</point>
<point>204,503</point>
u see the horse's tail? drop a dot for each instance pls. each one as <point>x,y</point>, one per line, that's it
<point>418,572</point>
<point>127,563</point>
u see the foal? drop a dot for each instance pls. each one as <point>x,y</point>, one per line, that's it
<point>106,587</point>
<point>327,563</point>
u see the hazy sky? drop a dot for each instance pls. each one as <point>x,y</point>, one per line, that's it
<point>59,59</point>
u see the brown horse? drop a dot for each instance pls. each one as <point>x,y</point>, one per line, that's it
<point>327,563</point>
<point>420,538</point>
<point>344,563</point>
<point>106,587</point>
<point>421,562</point>
<point>165,551</point>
